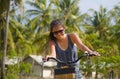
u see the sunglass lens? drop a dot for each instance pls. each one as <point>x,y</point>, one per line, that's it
<point>57,32</point>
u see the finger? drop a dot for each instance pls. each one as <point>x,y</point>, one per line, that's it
<point>97,54</point>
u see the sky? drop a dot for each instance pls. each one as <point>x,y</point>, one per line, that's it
<point>95,4</point>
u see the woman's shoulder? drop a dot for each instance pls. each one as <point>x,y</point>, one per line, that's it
<point>73,35</point>
<point>51,42</point>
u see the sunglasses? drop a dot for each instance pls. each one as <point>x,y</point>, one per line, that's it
<point>59,31</point>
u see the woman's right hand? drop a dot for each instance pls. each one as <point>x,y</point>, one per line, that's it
<point>45,58</point>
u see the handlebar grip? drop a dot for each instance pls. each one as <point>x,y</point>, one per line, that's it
<point>91,54</point>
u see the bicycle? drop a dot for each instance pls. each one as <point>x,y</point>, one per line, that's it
<point>67,72</point>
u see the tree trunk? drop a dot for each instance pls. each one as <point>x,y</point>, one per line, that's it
<point>96,75</point>
<point>5,43</point>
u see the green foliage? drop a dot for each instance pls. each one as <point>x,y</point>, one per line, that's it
<point>12,72</point>
<point>28,33</point>
<point>25,68</point>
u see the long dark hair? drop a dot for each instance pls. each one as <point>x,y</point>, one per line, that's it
<point>53,24</point>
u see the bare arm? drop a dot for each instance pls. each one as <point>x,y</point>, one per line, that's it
<point>75,39</point>
<point>52,49</point>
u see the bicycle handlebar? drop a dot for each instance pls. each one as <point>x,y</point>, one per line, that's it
<point>71,62</point>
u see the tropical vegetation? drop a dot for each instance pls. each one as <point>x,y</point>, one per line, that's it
<point>24,31</point>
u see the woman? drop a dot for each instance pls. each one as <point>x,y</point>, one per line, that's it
<point>63,46</point>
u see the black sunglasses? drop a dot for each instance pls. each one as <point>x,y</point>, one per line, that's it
<point>59,31</point>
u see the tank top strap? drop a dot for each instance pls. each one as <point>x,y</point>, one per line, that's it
<point>69,40</point>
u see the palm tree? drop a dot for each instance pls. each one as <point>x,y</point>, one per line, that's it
<point>98,30</point>
<point>39,23</point>
<point>102,24</point>
<point>100,21</point>
<point>115,35</point>
<point>40,15</point>
<point>4,19</point>
<point>69,13</point>
<point>43,12</point>
<point>5,41</point>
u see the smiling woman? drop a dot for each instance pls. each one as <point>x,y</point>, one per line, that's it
<point>56,31</point>
<point>63,46</point>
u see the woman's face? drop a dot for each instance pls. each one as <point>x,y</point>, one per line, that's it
<point>58,32</point>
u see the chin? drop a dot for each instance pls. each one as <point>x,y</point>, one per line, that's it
<point>61,37</point>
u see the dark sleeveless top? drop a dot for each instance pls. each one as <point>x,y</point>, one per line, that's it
<point>70,54</point>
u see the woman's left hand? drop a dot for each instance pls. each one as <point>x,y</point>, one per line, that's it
<point>95,53</point>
